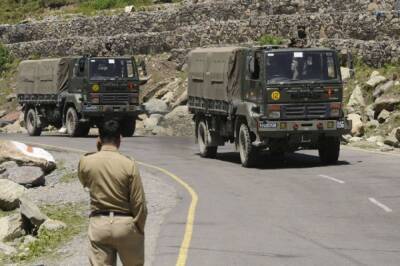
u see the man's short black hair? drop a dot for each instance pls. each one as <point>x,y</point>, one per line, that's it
<point>110,131</point>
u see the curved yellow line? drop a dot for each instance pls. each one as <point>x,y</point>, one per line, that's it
<point>183,251</point>
<point>187,238</point>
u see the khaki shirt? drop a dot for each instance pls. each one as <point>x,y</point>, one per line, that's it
<point>114,183</point>
<point>373,7</point>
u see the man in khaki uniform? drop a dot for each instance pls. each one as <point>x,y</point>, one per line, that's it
<point>118,208</point>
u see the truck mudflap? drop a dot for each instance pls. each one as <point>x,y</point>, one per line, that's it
<point>329,127</point>
<point>112,109</point>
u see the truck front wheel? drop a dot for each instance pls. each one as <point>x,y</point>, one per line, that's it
<point>329,149</point>
<point>74,128</point>
<point>32,123</point>
<point>128,127</point>
<point>203,138</point>
<point>248,153</point>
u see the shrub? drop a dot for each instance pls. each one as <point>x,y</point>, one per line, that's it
<point>270,40</point>
<point>5,59</point>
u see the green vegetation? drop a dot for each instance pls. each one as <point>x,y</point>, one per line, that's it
<point>47,242</point>
<point>270,40</point>
<point>6,59</point>
<point>14,11</point>
<point>7,213</point>
<point>69,177</point>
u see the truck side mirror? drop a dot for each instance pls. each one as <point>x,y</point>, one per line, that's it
<point>251,64</point>
<point>142,65</point>
<point>81,65</point>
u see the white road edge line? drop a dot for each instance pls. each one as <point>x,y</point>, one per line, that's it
<point>332,179</point>
<point>380,205</point>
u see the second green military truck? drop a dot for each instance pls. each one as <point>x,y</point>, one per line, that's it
<point>78,93</point>
<point>280,99</point>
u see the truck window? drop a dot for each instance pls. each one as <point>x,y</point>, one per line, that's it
<point>101,69</point>
<point>254,67</point>
<point>301,66</point>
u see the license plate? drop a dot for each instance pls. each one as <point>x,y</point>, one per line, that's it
<point>340,124</point>
<point>268,124</point>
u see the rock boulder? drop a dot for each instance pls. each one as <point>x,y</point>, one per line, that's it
<point>10,193</point>
<point>11,227</point>
<point>357,125</point>
<point>26,155</point>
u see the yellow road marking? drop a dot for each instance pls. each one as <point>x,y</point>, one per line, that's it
<point>187,238</point>
<point>183,251</point>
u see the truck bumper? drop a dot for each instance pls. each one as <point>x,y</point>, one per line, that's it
<point>114,110</point>
<point>284,128</point>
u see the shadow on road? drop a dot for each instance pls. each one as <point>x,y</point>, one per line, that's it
<point>265,161</point>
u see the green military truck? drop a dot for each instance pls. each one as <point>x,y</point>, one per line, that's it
<point>78,93</point>
<point>280,99</point>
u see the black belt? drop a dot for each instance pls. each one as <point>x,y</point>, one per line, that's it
<point>108,213</point>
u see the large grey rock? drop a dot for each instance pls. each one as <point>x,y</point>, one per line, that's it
<point>52,225</point>
<point>2,113</point>
<point>26,155</point>
<point>7,250</point>
<point>28,176</point>
<point>383,116</point>
<point>375,81</point>
<point>152,121</point>
<point>356,101</point>
<point>357,129</point>
<point>346,74</point>
<point>10,193</point>
<point>11,227</point>
<point>382,88</point>
<point>32,215</point>
<point>386,102</point>
<point>391,141</point>
<point>396,133</point>
<point>156,106</point>
<point>179,121</point>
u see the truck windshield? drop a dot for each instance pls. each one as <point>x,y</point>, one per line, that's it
<point>300,66</point>
<point>101,69</point>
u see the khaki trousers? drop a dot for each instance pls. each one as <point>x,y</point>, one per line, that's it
<point>109,236</point>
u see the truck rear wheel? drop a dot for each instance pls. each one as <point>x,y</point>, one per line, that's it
<point>203,138</point>
<point>329,150</point>
<point>74,128</point>
<point>128,127</point>
<point>248,153</point>
<point>32,123</point>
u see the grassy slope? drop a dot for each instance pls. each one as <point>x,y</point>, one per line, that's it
<point>14,11</point>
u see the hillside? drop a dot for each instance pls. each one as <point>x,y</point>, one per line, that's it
<point>163,34</point>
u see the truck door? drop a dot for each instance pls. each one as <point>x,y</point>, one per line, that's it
<point>252,84</point>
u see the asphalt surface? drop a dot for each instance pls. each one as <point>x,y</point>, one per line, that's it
<point>287,212</point>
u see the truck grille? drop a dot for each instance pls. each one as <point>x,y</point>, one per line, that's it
<point>304,111</point>
<point>114,98</point>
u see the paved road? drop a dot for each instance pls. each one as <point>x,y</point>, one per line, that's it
<point>295,212</point>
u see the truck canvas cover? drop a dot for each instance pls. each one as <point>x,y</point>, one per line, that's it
<point>46,76</point>
<point>214,73</point>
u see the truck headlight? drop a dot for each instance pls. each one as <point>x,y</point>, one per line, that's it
<point>274,111</point>
<point>274,115</point>
<point>94,98</point>
<point>335,109</point>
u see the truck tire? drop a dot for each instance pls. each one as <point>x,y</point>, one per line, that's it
<point>203,136</point>
<point>329,150</point>
<point>128,127</point>
<point>32,123</point>
<point>74,129</point>
<point>248,153</point>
